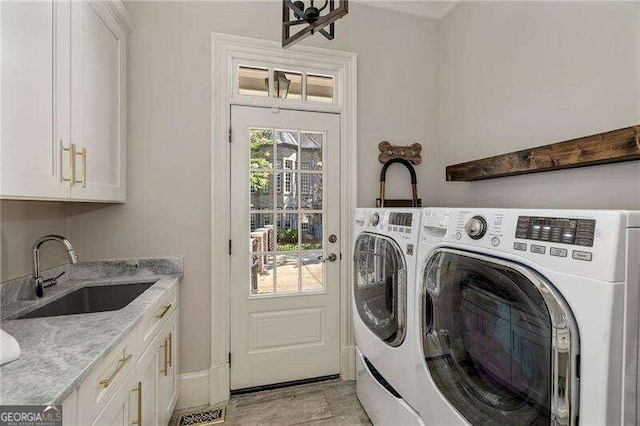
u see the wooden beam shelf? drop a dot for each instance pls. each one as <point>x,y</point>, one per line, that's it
<point>603,148</point>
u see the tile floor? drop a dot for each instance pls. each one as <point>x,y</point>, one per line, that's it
<point>327,403</point>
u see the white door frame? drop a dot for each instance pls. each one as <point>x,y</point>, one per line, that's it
<point>226,52</point>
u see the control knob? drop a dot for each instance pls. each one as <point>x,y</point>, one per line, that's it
<point>476,227</point>
<point>375,219</point>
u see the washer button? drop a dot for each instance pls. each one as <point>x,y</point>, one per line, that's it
<point>538,249</point>
<point>560,252</point>
<point>458,235</point>
<point>520,246</point>
<point>582,255</point>
<point>495,241</point>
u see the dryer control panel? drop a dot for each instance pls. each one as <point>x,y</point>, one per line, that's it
<point>400,223</point>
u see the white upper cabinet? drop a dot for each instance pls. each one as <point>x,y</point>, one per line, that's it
<point>29,144</point>
<point>98,51</point>
<point>63,101</point>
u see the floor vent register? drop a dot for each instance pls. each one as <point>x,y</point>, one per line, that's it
<point>208,416</point>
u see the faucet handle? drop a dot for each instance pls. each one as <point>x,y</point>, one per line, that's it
<point>53,280</point>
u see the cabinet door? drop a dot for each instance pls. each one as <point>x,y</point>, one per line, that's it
<point>31,140</point>
<point>98,84</point>
<point>147,367</point>
<point>121,410</point>
<point>168,377</point>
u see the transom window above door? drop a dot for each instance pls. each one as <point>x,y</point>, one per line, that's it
<point>285,84</point>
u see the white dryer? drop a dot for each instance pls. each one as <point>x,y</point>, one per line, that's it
<point>528,317</point>
<point>385,248</point>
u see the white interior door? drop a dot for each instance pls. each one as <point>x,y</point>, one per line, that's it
<point>285,261</point>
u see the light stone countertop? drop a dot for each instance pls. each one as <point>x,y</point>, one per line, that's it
<point>59,352</point>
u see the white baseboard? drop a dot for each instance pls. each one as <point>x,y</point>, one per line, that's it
<point>193,389</point>
<point>348,363</point>
<point>219,378</point>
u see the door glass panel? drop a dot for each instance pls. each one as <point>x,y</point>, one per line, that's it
<point>311,151</point>
<point>380,286</point>
<point>262,232</point>
<point>262,273</point>
<point>261,144</point>
<point>287,147</point>
<point>287,232</point>
<point>288,278</point>
<point>311,271</point>
<point>261,188</point>
<point>286,229</point>
<point>261,221</point>
<point>311,228</point>
<point>287,190</point>
<point>486,336</point>
<point>253,81</point>
<point>311,191</point>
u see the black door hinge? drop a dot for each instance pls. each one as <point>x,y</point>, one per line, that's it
<point>229,359</point>
<point>229,247</point>
<point>229,134</point>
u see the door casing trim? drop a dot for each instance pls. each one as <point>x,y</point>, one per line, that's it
<point>226,50</point>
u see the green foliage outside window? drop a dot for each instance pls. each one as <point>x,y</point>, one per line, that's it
<point>261,145</point>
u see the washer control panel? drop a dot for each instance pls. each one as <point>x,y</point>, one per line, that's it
<point>579,232</point>
<point>581,242</point>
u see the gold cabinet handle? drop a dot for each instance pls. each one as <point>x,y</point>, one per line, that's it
<point>121,363</point>
<point>138,390</point>
<point>170,350</point>
<point>83,154</point>
<point>166,309</point>
<point>165,346</point>
<point>72,164</point>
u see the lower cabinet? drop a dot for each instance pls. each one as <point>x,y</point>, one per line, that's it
<point>137,383</point>
<point>147,367</point>
<point>157,373</point>
<point>121,410</point>
<point>167,379</point>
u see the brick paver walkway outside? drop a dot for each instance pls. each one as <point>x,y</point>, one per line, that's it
<point>287,276</point>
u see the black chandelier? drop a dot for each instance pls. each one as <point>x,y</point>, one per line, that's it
<point>312,16</point>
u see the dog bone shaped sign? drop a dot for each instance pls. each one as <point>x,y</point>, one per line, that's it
<point>410,153</point>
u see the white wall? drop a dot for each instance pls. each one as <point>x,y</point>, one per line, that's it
<point>21,224</point>
<point>168,195</point>
<point>515,75</point>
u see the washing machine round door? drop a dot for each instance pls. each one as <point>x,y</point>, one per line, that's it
<point>380,287</point>
<point>499,342</point>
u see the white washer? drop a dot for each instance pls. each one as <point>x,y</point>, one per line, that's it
<point>528,317</point>
<point>385,248</point>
